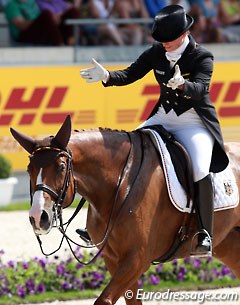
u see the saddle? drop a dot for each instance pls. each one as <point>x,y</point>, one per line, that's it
<point>179,156</point>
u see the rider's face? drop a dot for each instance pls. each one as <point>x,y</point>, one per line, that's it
<point>173,45</point>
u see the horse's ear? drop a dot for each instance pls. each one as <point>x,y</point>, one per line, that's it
<point>25,141</point>
<point>64,133</point>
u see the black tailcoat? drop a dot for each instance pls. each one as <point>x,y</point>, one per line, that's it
<point>196,65</point>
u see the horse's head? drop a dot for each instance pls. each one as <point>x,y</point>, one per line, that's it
<point>51,180</point>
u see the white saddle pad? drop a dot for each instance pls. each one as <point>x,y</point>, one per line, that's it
<point>226,194</point>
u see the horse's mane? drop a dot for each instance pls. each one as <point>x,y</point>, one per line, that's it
<point>48,141</point>
<point>101,129</point>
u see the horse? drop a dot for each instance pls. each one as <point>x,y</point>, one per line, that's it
<point>120,175</point>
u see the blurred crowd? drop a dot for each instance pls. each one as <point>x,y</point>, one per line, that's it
<point>42,22</point>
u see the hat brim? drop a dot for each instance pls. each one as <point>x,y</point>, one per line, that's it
<point>161,37</point>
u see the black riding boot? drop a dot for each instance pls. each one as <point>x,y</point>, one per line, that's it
<point>204,210</point>
<point>83,233</point>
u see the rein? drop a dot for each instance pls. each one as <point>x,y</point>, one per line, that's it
<point>60,198</point>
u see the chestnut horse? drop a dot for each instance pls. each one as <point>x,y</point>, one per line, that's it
<point>120,175</point>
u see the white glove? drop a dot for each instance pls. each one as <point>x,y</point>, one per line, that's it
<point>177,79</point>
<point>95,74</point>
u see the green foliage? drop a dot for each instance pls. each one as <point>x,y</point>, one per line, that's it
<point>41,278</point>
<point>5,167</point>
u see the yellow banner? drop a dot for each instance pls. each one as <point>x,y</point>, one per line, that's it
<point>35,101</point>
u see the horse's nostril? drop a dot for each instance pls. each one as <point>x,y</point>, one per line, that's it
<point>44,222</point>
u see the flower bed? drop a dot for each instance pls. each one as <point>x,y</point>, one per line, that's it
<point>40,275</point>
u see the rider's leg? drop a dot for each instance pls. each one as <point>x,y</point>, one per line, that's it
<point>204,207</point>
<point>189,130</point>
<point>199,144</point>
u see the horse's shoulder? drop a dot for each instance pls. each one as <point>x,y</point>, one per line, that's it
<point>232,147</point>
<point>233,151</point>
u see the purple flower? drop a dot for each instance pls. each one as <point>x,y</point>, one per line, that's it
<point>11,264</point>
<point>79,284</point>
<point>78,253</point>
<point>180,276</point>
<point>182,269</point>
<point>206,275</point>
<point>60,270</point>
<point>69,260</point>
<point>20,291</point>
<point>225,270</point>
<point>216,273</point>
<point>187,260</point>
<point>209,260</point>
<point>42,263</point>
<point>78,266</point>
<point>159,268</point>
<point>66,286</point>
<point>25,265</point>
<point>197,263</point>
<point>154,280</point>
<point>30,286</point>
<point>40,289</point>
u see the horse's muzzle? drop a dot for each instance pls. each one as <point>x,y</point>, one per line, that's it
<point>45,224</point>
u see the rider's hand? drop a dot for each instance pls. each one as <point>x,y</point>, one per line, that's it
<point>177,79</point>
<point>95,74</point>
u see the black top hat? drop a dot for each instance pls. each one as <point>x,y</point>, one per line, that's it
<point>170,23</point>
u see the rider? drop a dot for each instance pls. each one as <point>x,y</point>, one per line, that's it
<point>183,70</point>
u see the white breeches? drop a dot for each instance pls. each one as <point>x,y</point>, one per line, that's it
<point>190,131</point>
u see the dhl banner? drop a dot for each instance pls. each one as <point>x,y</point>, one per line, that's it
<point>35,101</point>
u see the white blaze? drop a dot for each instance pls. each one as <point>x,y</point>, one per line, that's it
<point>37,203</point>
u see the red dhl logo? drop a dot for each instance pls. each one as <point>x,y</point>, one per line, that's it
<point>17,102</point>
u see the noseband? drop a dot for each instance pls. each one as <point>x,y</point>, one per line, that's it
<point>58,198</point>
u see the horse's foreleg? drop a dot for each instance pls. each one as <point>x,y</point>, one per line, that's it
<point>228,251</point>
<point>124,277</point>
<point>131,294</point>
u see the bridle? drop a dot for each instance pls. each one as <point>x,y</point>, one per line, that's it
<point>60,198</point>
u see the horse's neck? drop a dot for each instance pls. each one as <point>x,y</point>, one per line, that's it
<point>98,158</point>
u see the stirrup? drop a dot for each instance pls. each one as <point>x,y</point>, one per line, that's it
<point>195,254</point>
